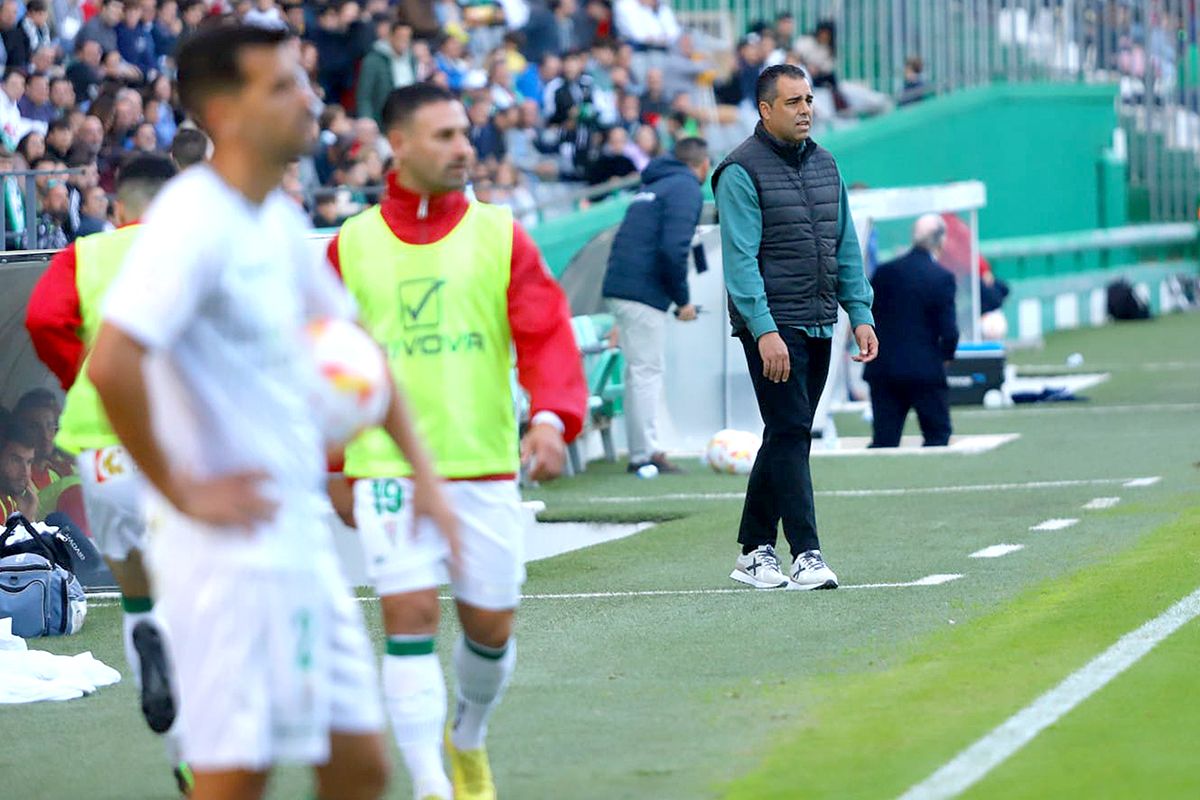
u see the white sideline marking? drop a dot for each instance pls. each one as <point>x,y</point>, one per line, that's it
<point>972,764</point>
<point>1151,366</point>
<point>997,550</point>
<point>1054,525</point>
<point>928,580</point>
<point>1039,409</point>
<point>1101,503</point>
<point>978,487</point>
<point>1138,482</point>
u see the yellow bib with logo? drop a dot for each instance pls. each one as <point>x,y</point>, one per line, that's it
<point>98,259</point>
<point>440,310</point>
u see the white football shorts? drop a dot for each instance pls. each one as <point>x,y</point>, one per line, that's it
<point>112,493</point>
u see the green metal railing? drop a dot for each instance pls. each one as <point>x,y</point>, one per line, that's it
<point>1061,254</point>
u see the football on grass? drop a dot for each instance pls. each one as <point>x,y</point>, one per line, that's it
<point>732,452</point>
<point>352,387</point>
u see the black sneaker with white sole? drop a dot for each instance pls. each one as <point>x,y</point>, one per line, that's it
<point>158,703</point>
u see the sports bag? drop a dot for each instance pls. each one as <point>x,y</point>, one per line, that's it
<point>38,590</point>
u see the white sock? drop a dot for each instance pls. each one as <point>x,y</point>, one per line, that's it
<point>483,673</point>
<point>130,621</point>
<point>415,693</point>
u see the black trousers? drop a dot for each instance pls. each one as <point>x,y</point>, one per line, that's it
<point>890,404</point>
<point>781,482</point>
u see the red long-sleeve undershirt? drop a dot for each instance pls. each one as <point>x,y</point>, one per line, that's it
<point>53,318</point>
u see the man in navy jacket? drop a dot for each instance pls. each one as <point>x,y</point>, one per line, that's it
<point>918,334</point>
<point>647,274</point>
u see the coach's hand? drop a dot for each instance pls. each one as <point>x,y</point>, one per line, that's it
<point>543,452</point>
<point>230,501</point>
<point>429,501</point>
<point>868,344</point>
<point>777,364</point>
<point>686,313</point>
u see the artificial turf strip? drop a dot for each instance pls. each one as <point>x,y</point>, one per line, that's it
<point>874,735</point>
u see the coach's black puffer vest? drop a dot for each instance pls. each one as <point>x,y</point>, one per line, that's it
<point>798,194</point>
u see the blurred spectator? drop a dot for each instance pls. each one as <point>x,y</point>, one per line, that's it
<point>84,71</point>
<point>36,27</point>
<point>611,162</point>
<point>39,409</point>
<point>648,24</point>
<point>59,138</point>
<point>101,29</point>
<point>18,451</point>
<point>531,84</point>
<point>487,140</point>
<point>93,212</point>
<point>52,218</point>
<point>655,103</point>
<point>14,202</point>
<point>551,30</point>
<point>13,126</point>
<point>31,148</point>
<point>167,28</point>
<point>145,138</point>
<point>644,147</point>
<point>265,14</point>
<point>568,98</point>
<point>325,210</point>
<point>189,147</point>
<point>389,65</point>
<point>35,104</point>
<point>629,114</point>
<point>62,96</point>
<point>135,41</point>
<point>915,87</point>
<point>12,36</point>
<point>68,19</point>
<point>79,183</point>
<point>450,61</point>
<point>341,38</point>
<point>785,30</point>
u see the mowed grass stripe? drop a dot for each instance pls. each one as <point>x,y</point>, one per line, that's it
<point>877,734</point>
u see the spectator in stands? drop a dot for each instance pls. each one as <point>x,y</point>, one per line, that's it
<point>569,97</point>
<point>785,30</point>
<point>36,27</point>
<point>389,65</point>
<point>145,138</point>
<point>52,217</point>
<point>90,136</point>
<point>339,38</point>
<point>13,126</point>
<point>655,103</point>
<point>18,451</point>
<point>646,275</point>
<point>59,138</point>
<point>93,212</point>
<point>101,29</point>
<point>62,96</point>
<point>629,114</point>
<point>531,83</point>
<point>68,18</point>
<point>189,147</point>
<point>84,71</point>
<point>648,24</point>
<point>31,148</point>
<point>611,163</point>
<point>167,28</point>
<point>35,104</point>
<point>551,30</point>
<point>39,409</point>
<point>16,44</point>
<point>450,61</point>
<point>135,42</point>
<point>918,331</point>
<point>485,138</point>
<point>644,147</point>
<point>325,210</point>
<point>265,14</point>
<point>915,87</point>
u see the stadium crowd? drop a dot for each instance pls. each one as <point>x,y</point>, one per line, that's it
<point>561,93</point>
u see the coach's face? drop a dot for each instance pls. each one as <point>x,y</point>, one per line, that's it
<point>433,152</point>
<point>789,115</point>
<point>274,107</point>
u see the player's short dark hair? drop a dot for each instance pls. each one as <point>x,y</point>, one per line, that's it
<point>36,398</point>
<point>402,104</point>
<point>190,146</point>
<point>768,80</point>
<point>210,60</point>
<point>16,431</point>
<point>691,150</point>
<point>148,167</point>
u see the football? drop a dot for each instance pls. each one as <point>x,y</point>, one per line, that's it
<point>732,452</point>
<point>352,388</point>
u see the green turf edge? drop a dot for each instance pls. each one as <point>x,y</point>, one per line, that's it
<point>875,734</point>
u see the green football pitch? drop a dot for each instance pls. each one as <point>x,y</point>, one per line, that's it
<point>644,672</point>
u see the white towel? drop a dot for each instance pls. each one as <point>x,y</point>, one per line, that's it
<point>27,676</point>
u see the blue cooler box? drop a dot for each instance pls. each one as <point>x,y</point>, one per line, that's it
<point>977,368</point>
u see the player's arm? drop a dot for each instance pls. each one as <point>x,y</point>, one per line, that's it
<point>118,372</point>
<point>53,318</point>
<point>548,362</point>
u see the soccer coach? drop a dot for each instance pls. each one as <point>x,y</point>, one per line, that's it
<point>790,257</point>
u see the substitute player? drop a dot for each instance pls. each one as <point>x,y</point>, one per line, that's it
<point>202,370</point>
<point>63,318</point>
<point>449,287</point>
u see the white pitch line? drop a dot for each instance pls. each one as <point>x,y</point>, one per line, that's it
<point>1030,409</point>
<point>997,550</point>
<point>977,487</point>
<point>1138,483</point>
<point>1054,525</point>
<point>1100,503</point>
<point>972,764</point>
<point>928,580</point>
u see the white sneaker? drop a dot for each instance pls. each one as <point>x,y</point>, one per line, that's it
<point>809,571</point>
<point>759,568</point>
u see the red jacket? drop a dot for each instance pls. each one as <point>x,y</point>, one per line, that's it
<point>53,318</point>
<point>548,361</point>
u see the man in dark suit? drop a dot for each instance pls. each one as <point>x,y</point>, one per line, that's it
<point>918,334</point>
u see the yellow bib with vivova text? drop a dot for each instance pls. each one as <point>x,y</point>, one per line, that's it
<point>440,311</point>
<point>98,259</point>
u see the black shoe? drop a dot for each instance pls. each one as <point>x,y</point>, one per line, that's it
<point>634,466</point>
<point>158,704</point>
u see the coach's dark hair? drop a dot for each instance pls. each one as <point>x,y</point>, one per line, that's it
<point>768,79</point>
<point>139,179</point>
<point>691,150</point>
<point>209,60</point>
<point>403,103</point>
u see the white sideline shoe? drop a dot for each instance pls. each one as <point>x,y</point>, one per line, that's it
<point>809,571</point>
<point>759,568</point>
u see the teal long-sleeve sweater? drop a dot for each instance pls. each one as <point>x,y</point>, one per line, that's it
<point>741,234</point>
